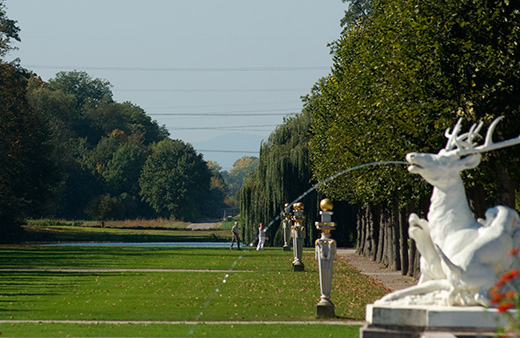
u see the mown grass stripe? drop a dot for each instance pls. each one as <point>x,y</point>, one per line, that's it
<point>119,270</point>
<point>149,322</point>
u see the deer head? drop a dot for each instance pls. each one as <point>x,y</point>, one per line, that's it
<point>461,152</point>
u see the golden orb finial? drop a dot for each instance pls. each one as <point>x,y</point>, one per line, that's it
<point>298,206</point>
<point>326,204</point>
<point>286,205</point>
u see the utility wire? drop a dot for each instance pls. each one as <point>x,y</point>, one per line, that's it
<point>229,151</point>
<point>226,127</point>
<point>262,112</point>
<point>184,69</point>
<point>214,90</point>
<point>213,105</point>
<point>218,114</point>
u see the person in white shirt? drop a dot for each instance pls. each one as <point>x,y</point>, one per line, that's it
<point>261,237</point>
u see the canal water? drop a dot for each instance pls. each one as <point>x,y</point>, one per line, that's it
<point>149,244</point>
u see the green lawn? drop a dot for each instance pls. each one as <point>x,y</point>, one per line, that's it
<point>74,233</point>
<point>250,286</point>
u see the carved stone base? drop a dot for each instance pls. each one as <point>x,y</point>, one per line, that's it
<point>325,309</point>
<point>298,266</point>
<point>422,321</point>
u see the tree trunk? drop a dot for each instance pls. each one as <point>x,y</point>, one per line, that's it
<point>403,227</point>
<point>506,188</point>
<point>376,226</point>
<point>360,230</point>
<point>387,250</point>
<point>396,235</point>
<point>368,232</point>
<point>477,200</point>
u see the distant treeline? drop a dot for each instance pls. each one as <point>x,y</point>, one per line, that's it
<point>70,151</point>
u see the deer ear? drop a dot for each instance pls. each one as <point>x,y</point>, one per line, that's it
<point>471,161</point>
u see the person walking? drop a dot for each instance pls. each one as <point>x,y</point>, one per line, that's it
<point>235,236</point>
<point>261,237</point>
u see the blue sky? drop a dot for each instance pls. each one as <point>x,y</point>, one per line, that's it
<point>203,68</point>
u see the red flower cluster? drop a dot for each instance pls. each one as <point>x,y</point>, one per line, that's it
<point>504,306</point>
<point>504,300</point>
<point>514,252</point>
<point>508,276</point>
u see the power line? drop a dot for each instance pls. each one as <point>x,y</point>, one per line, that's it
<point>214,90</point>
<point>225,128</point>
<point>218,114</point>
<point>185,69</point>
<point>262,112</point>
<point>229,151</point>
<point>213,105</point>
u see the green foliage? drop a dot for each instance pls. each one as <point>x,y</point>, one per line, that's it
<point>102,144</point>
<point>8,31</point>
<point>400,78</point>
<point>358,10</point>
<point>235,176</point>
<point>282,175</point>
<point>103,208</point>
<point>27,159</point>
<point>175,180</point>
<point>80,153</point>
<point>124,168</point>
<point>87,91</point>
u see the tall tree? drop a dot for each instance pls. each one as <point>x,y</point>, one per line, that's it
<point>283,174</point>
<point>28,169</point>
<point>401,78</point>
<point>9,31</point>
<point>93,139</point>
<point>175,180</point>
<point>88,91</point>
<point>235,176</point>
<point>124,169</point>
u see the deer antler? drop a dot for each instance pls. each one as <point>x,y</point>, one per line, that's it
<point>464,143</point>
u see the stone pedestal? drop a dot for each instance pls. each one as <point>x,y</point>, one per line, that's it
<point>325,309</point>
<point>325,253</point>
<point>286,226</point>
<point>422,321</point>
<point>298,265</point>
<point>298,236</point>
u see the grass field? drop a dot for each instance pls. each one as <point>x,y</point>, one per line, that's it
<point>112,291</point>
<point>121,231</point>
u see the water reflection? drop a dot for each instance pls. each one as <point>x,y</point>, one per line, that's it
<point>148,244</point>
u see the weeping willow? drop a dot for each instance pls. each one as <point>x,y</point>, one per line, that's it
<point>283,174</point>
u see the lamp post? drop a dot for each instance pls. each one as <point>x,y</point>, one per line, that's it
<point>286,226</point>
<point>298,235</point>
<point>325,253</point>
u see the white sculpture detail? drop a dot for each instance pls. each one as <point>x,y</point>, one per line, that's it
<point>461,258</point>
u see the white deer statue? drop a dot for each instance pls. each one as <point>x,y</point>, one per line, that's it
<point>461,258</point>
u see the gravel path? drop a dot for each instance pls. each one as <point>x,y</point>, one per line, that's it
<point>203,226</point>
<point>393,280</point>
